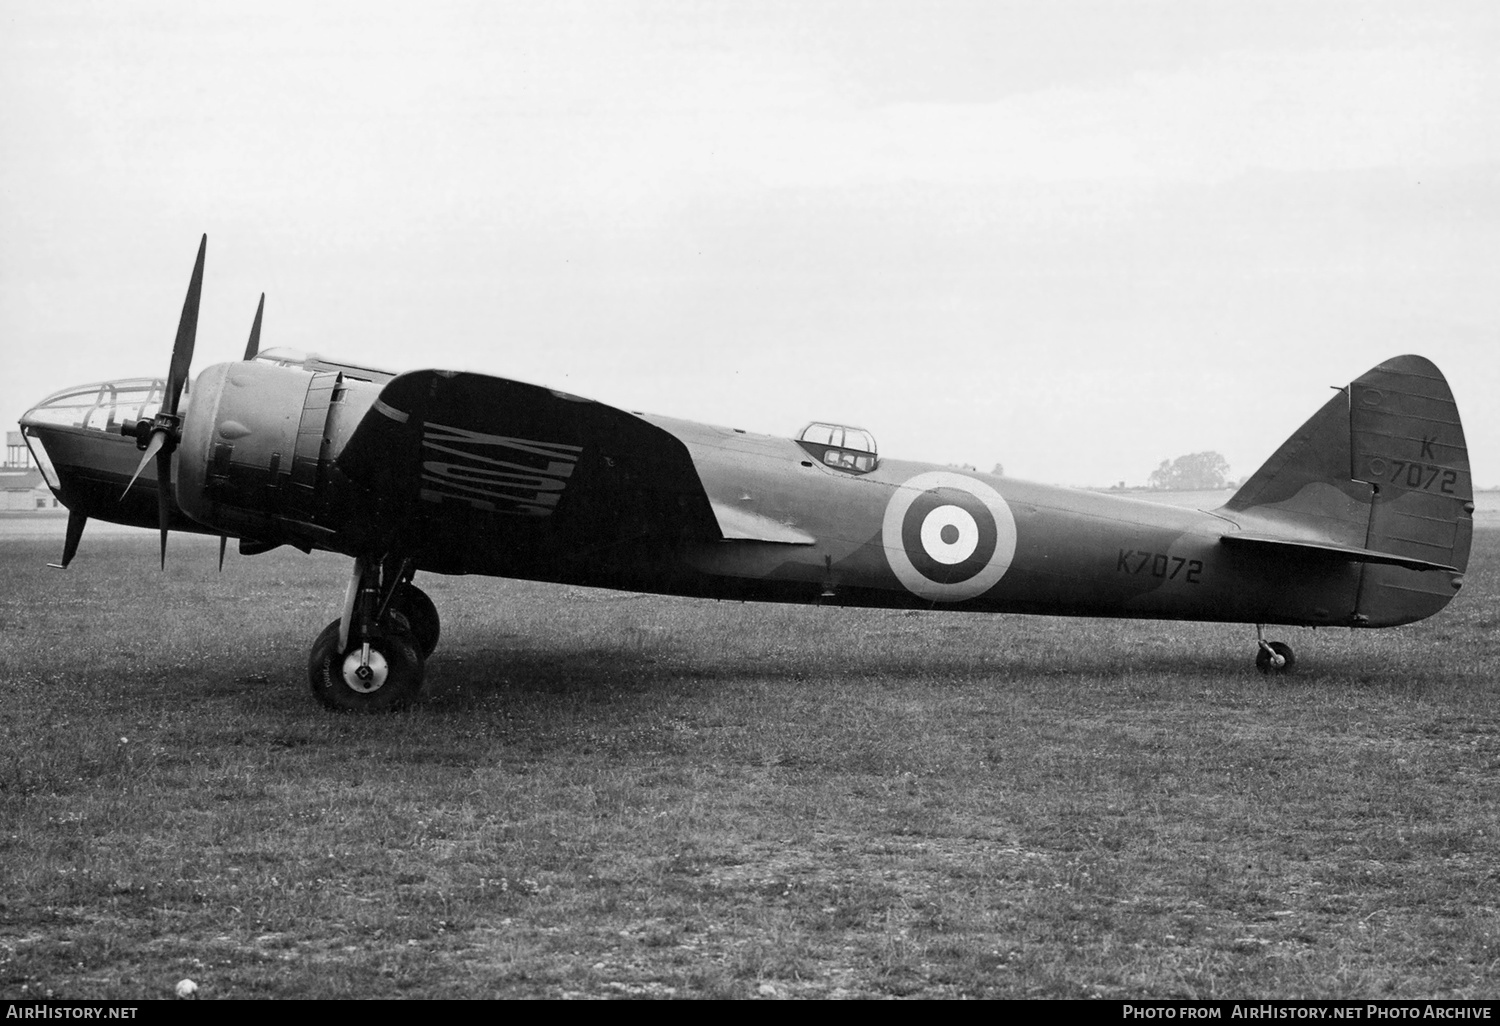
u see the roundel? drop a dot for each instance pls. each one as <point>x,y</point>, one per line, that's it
<point>948,537</point>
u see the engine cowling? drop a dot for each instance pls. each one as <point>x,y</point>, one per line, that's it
<point>257,449</point>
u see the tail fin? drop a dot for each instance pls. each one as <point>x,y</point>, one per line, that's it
<point>1380,477</point>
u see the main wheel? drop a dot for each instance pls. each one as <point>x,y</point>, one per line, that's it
<point>391,680</point>
<point>1265,664</point>
<point>412,602</point>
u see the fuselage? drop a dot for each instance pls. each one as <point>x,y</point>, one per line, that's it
<point>1014,546</point>
<point>794,523</point>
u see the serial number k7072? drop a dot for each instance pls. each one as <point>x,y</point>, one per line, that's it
<point>1160,564</point>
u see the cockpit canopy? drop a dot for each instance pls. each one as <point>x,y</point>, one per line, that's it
<point>840,447</point>
<point>103,406</point>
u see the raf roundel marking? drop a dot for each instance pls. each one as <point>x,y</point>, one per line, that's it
<point>950,534</point>
<point>948,537</point>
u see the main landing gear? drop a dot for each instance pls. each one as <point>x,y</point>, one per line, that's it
<point>373,658</point>
<point>1273,656</point>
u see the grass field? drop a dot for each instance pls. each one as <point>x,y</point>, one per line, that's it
<point>608,794</point>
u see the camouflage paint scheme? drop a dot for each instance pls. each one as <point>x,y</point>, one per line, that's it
<point>1362,518</point>
<point>693,509</point>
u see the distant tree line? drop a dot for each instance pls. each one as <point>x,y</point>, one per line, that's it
<point>1199,471</point>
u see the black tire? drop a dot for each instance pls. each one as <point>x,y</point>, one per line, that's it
<point>395,660</point>
<point>412,602</point>
<point>1281,648</point>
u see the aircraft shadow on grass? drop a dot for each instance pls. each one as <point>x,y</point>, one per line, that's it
<point>1362,518</point>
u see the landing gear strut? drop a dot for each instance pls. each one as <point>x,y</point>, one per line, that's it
<point>373,658</point>
<point>1273,656</point>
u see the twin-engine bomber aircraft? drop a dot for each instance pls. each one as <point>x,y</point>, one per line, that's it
<point>1363,518</point>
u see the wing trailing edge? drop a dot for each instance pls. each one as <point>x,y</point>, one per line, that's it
<point>742,525</point>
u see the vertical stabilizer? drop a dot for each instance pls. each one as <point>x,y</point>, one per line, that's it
<point>1382,468</point>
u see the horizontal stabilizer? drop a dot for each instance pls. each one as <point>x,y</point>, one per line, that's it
<point>742,525</point>
<point>1349,553</point>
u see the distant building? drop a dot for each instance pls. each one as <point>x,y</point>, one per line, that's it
<point>23,490</point>
<point>17,456</point>
<point>21,486</point>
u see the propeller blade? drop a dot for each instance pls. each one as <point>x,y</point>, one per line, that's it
<point>254,346</point>
<point>76,520</point>
<point>163,499</point>
<point>187,333</point>
<point>158,439</point>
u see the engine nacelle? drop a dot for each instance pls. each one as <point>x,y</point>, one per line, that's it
<point>257,447</point>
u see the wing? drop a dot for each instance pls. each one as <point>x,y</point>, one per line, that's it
<point>476,474</point>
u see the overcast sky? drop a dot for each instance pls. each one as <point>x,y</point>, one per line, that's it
<point>1073,238</point>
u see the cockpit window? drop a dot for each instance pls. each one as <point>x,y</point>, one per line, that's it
<point>102,407</point>
<point>839,435</point>
<point>840,447</point>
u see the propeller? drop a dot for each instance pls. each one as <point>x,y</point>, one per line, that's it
<point>253,346</point>
<point>159,436</point>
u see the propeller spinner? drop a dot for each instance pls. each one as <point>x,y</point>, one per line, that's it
<point>159,436</point>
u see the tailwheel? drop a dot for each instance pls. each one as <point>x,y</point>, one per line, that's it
<point>382,674</point>
<point>418,609</point>
<point>1275,657</point>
